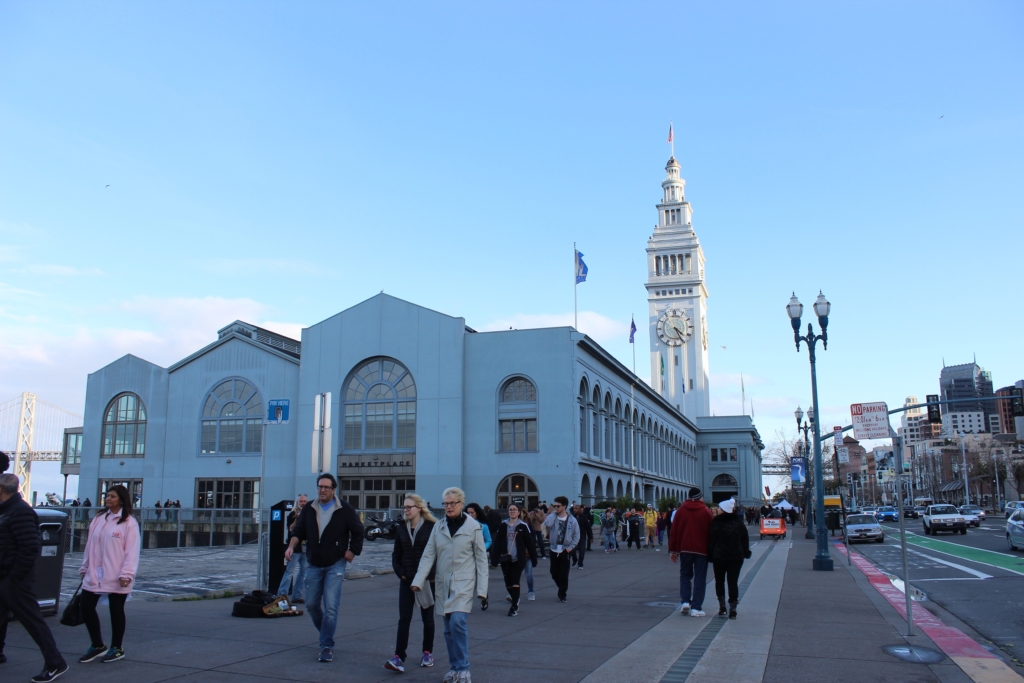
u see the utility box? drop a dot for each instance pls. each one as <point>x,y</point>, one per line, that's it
<point>278,543</point>
<point>49,570</point>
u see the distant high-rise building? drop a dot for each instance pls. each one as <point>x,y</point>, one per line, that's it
<point>969,380</point>
<point>1004,408</point>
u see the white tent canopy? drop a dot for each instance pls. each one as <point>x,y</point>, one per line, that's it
<point>785,505</point>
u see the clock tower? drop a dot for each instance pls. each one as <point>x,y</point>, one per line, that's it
<point>677,301</point>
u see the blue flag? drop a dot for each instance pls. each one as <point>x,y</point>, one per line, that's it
<point>581,268</point>
<point>632,330</point>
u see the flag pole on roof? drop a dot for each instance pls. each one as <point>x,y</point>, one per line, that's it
<point>632,331</point>
<point>579,275</point>
<point>671,138</point>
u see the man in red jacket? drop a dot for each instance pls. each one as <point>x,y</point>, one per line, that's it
<point>688,542</point>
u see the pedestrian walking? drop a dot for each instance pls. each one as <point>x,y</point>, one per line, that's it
<point>608,525</point>
<point>20,545</point>
<point>405,560</point>
<point>650,526</point>
<point>563,531</point>
<point>515,550</point>
<point>333,535</point>
<point>294,581</point>
<point>109,564</point>
<point>537,524</point>
<point>634,526</point>
<point>477,513</point>
<point>661,525</point>
<point>456,549</point>
<point>584,520</point>
<point>688,543</point>
<point>728,546</point>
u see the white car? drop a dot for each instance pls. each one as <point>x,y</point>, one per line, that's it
<point>973,514</point>
<point>1015,530</point>
<point>943,517</point>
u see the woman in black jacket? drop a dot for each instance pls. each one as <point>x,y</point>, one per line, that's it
<point>728,546</point>
<point>405,559</point>
<point>515,547</point>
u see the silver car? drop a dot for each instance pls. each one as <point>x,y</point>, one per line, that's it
<point>1015,530</point>
<point>864,528</point>
<point>973,514</point>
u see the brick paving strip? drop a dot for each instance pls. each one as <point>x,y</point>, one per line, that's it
<point>978,663</point>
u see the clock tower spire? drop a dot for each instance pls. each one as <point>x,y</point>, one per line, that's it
<point>677,302</point>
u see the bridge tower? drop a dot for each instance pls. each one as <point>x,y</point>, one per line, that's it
<point>26,436</point>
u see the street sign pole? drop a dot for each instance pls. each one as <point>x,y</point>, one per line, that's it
<point>897,447</point>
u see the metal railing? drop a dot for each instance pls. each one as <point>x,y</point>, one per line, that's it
<point>164,528</point>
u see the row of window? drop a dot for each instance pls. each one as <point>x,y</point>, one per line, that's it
<point>673,264</point>
<point>723,455</point>
<point>676,292</point>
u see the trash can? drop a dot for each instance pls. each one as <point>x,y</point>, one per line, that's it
<point>53,525</point>
<point>832,522</point>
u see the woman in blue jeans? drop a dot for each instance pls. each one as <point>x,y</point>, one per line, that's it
<point>608,525</point>
<point>294,580</point>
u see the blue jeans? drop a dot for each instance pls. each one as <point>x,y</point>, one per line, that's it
<point>296,569</point>
<point>529,576</point>
<point>456,638</point>
<point>324,584</point>
<point>693,568</point>
<point>609,540</point>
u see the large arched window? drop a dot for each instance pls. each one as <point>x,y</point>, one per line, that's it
<point>124,427</point>
<point>380,407</point>
<point>232,419</point>
<point>518,489</point>
<point>724,479</point>
<point>517,416</point>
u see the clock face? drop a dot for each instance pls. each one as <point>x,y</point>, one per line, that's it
<point>674,327</point>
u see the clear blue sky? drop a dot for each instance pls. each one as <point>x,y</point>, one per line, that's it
<point>280,162</point>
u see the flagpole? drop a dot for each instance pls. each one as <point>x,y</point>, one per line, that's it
<point>672,140</point>
<point>631,318</point>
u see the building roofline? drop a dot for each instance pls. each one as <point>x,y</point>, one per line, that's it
<point>225,339</point>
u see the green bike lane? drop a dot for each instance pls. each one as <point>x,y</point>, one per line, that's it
<point>967,547</point>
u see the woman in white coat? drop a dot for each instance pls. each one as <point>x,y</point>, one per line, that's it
<point>457,546</point>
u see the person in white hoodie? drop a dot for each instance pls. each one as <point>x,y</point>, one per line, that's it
<point>456,545</point>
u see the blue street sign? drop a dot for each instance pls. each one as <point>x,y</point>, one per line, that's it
<point>798,470</point>
<point>277,410</point>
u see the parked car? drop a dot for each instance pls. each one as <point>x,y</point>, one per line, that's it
<point>887,513</point>
<point>1013,506</point>
<point>943,517</point>
<point>1015,529</point>
<point>973,514</point>
<point>864,528</point>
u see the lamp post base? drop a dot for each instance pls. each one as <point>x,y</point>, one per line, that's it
<point>809,535</point>
<point>822,564</point>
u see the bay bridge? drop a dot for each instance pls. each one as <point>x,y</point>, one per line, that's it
<point>32,430</point>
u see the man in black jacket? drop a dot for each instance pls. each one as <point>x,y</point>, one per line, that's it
<point>19,547</point>
<point>333,536</point>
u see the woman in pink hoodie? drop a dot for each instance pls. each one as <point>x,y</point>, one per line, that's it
<point>108,568</point>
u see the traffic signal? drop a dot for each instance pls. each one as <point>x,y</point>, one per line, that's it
<point>849,477</point>
<point>1017,402</point>
<point>934,414</point>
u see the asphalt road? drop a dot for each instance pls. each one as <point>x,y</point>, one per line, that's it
<point>975,577</point>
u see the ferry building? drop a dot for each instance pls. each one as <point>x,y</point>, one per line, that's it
<point>393,397</point>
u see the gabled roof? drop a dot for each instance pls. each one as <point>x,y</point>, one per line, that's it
<point>228,336</point>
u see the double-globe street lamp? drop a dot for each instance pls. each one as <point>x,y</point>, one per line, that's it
<point>795,309</point>
<point>799,414</point>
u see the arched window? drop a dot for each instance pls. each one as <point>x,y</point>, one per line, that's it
<point>607,419</point>
<point>583,416</point>
<point>232,419</point>
<point>517,416</point>
<point>124,427</point>
<point>518,489</point>
<point>595,421</point>
<point>724,480</point>
<point>380,407</point>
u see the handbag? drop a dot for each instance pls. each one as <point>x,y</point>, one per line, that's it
<point>72,615</point>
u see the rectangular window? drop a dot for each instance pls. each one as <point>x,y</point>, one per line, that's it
<point>673,262</point>
<point>108,440</point>
<point>208,441</point>
<point>691,384</point>
<point>714,455</point>
<point>732,454</point>
<point>677,360</point>
<point>253,429</point>
<point>657,265</point>
<point>353,427</point>
<point>371,502</point>
<point>124,440</point>
<point>231,494</point>
<point>407,425</point>
<point>518,435</point>
<point>231,436</point>
<point>380,424</point>
<point>583,429</point>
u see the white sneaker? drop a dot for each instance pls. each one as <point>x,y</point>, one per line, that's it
<point>464,677</point>
<point>531,597</point>
<point>684,608</point>
<point>697,613</point>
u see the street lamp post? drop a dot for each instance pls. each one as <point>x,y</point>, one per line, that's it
<point>799,414</point>
<point>822,559</point>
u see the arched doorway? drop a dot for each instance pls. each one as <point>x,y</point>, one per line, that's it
<point>619,489</point>
<point>518,489</point>
<point>609,490</point>
<point>585,495</point>
<point>724,487</point>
